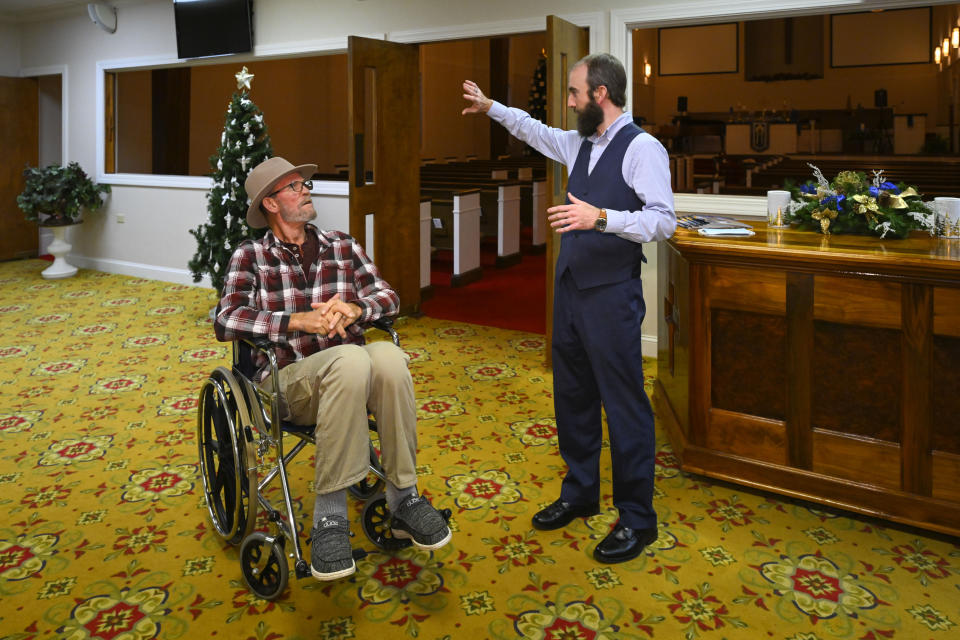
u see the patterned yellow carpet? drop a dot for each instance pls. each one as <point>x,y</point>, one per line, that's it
<point>104,534</point>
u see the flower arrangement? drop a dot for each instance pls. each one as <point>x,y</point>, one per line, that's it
<point>853,203</point>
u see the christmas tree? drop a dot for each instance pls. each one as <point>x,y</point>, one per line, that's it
<point>244,144</point>
<point>538,98</point>
<point>538,91</point>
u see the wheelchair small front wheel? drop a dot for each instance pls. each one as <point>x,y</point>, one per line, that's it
<point>372,484</point>
<point>264,565</point>
<point>376,525</point>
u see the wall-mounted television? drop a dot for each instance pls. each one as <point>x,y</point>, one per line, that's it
<point>213,27</point>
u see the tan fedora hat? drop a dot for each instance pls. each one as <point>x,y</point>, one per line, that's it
<point>260,182</point>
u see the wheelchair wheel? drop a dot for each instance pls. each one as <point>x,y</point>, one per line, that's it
<point>372,484</point>
<point>376,525</point>
<point>264,565</point>
<point>226,456</point>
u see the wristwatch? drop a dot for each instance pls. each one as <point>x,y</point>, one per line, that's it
<point>601,223</point>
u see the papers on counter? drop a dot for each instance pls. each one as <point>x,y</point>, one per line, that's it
<point>741,232</point>
<point>710,222</point>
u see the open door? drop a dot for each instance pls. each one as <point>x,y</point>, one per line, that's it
<point>384,92</point>
<point>566,43</point>
<point>19,139</point>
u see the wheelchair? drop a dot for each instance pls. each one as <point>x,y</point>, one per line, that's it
<point>239,432</point>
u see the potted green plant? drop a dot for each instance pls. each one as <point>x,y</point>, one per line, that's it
<point>56,196</point>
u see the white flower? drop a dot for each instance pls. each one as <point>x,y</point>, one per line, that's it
<point>250,140</point>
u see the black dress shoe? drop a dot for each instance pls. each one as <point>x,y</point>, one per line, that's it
<point>623,543</point>
<point>560,514</point>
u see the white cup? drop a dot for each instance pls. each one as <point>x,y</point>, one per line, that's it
<point>778,201</point>
<point>948,214</point>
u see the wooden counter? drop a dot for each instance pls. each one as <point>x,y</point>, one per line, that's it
<point>825,368</point>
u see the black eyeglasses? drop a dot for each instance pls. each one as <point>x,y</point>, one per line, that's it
<point>296,186</point>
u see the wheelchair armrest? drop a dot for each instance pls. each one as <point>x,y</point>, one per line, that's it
<point>386,324</point>
<point>248,346</point>
<point>261,344</point>
<point>243,354</point>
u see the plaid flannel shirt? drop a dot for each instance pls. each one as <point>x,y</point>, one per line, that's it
<point>265,284</point>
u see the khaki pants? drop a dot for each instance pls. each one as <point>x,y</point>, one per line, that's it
<point>334,389</point>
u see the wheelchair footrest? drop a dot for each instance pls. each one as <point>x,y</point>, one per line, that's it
<point>302,569</point>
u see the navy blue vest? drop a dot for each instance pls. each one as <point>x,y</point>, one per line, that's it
<point>595,258</point>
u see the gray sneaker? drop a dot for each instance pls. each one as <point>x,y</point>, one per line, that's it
<point>417,520</point>
<point>330,554</point>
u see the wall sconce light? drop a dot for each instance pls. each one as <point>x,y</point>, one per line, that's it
<point>945,47</point>
<point>648,70</point>
<point>103,15</point>
<point>936,55</point>
<point>955,37</point>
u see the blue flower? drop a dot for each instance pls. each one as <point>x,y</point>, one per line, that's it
<point>833,202</point>
<point>807,188</point>
<point>886,186</point>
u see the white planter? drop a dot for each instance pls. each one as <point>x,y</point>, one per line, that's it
<point>59,248</point>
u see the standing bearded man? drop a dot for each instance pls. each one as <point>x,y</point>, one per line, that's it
<point>618,197</point>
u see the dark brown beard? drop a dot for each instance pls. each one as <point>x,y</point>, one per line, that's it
<point>589,119</point>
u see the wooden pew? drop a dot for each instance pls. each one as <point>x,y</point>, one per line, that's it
<point>426,248</point>
<point>532,205</point>
<point>500,207</point>
<point>455,224</point>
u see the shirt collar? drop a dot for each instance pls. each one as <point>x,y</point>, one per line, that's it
<point>271,240</point>
<point>612,130</point>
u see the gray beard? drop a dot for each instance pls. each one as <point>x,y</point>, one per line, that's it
<point>298,216</point>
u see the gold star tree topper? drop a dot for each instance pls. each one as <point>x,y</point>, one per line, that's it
<point>244,78</point>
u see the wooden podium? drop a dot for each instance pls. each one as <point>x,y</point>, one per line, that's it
<point>821,367</point>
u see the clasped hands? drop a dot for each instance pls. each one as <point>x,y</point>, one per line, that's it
<point>331,317</point>
<point>576,215</point>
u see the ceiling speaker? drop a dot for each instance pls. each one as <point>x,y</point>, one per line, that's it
<point>103,15</point>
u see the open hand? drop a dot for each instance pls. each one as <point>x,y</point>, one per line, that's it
<point>479,103</point>
<point>576,215</point>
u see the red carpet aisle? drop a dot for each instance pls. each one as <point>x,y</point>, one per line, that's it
<point>510,298</point>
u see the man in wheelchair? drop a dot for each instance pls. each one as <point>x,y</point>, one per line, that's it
<point>310,293</point>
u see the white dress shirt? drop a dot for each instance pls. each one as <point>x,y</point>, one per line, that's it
<point>646,169</point>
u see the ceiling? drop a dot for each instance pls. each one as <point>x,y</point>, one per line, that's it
<point>31,10</point>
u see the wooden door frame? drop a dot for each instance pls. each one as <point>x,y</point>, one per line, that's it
<point>396,233</point>
<point>557,172</point>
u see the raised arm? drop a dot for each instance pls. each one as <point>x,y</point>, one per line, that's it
<point>554,143</point>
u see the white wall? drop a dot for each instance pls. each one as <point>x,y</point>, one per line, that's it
<point>9,50</point>
<point>50,119</point>
<point>158,212</point>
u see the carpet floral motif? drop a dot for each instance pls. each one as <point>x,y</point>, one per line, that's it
<point>104,533</point>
